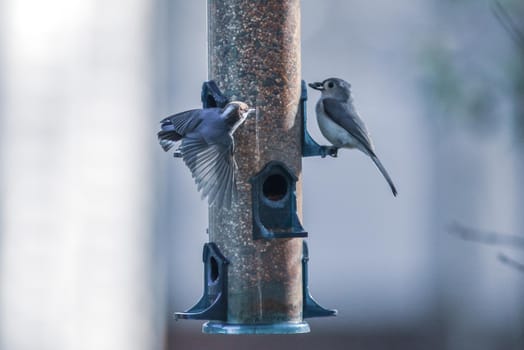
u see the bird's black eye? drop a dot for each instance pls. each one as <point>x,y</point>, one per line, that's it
<point>330,85</point>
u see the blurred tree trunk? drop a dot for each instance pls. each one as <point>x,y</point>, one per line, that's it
<point>75,175</point>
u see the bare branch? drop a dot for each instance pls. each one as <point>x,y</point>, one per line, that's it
<point>492,238</point>
<point>503,258</point>
<point>509,25</point>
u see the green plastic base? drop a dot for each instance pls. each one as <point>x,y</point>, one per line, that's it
<point>213,327</point>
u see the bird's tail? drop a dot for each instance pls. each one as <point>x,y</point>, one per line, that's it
<point>385,174</point>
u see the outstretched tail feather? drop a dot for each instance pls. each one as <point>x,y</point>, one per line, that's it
<point>385,174</point>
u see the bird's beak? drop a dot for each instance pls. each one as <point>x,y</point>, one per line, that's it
<point>316,86</point>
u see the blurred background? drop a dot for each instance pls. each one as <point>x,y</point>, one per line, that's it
<point>101,232</point>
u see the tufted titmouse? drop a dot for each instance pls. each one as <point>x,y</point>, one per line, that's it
<point>207,147</point>
<point>340,123</point>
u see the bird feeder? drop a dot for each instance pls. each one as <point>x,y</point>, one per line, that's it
<point>256,261</point>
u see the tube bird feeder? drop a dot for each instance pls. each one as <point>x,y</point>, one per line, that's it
<point>255,264</point>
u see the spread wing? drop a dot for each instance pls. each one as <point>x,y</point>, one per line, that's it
<point>341,114</point>
<point>174,127</point>
<point>213,167</point>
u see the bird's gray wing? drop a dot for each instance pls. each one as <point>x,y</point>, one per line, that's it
<point>350,121</point>
<point>213,168</point>
<point>174,127</point>
<point>340,113</point>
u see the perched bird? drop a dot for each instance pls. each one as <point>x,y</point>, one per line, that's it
<point>207,147</point>
<point>340,123</point>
